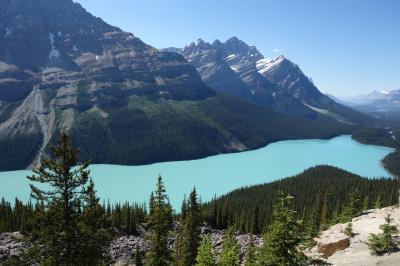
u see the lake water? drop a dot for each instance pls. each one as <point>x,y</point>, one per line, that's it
<point>216,175</point>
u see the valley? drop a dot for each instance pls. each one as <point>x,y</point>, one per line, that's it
<point>117,151</point>
<point>219,174</point>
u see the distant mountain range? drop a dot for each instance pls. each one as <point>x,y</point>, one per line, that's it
<point>125,102</point>
<point>237,69</point>
<point>379,103</point>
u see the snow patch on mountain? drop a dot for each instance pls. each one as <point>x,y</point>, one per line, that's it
<point>375,95</point>
<point>392,134</point>
<point>8,32</point>
<point>234,68</point>
<point>265,65</point>
<point>328,113</point>
<point>318,110</point>
<point>230,57</point>
<point>54,53</point>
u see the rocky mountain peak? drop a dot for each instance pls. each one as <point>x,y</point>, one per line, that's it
<point>199,42</point>
<point>281,57</point>
<point>197,47</point>
<point>232,46</point>
<point>235,43</point>
<point>236,46</point>
<point>217,44</point>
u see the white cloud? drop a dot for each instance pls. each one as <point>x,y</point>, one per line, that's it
<point>276,50</point>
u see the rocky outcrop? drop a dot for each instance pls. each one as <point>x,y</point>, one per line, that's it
<point>11,245</point>
<point>340,250</point>
<point>123,247</point>
<point>332,240</point>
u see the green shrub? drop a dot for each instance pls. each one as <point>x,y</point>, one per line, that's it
<point>349,230</point>
<point>385,242</point>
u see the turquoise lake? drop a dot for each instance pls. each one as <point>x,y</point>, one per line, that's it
<point>216,175</point>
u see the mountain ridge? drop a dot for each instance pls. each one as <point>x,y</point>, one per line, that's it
<point>378,103</point>
<point>235,68</point>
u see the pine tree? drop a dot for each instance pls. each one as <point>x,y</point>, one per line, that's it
<point>283,237</point>
<point>336,215</point>
<point>385,242</point>
<point>151,203</point>
<point>183,208</point>
<point>92,228</point>
<point>378,202</point>
<point>61,230</point>
<point>138,257</point>
<point>214,212</point>
<point>354,206</point>
<point>108,208</point>
<point>160,222</point>
<point>177,255</point>
<point>366,203</point>
<point>325,213</point>
<point>205,254</point>
<point>316,213</point>
<point>250,258</point>
<point>191,230</point>
<point>128,215</point>
<point>355,200</point>
<point>254,227</point>
<point>230,252</point>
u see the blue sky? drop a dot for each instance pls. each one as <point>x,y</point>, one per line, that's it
<point>347,47</point>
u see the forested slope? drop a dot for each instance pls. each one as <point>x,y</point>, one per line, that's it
<point>150,130</point>
<point>323,194</point>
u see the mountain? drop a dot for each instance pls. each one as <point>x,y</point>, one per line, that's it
<point>379,103</point>
<point>339,100</point>
<point>121,100</point>
<point>241,70</point>
<point>367,98</point>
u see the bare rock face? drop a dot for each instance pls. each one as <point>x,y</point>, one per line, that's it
<point>340,250</point>
<point>332,241</point>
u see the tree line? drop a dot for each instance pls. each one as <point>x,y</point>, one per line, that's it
<point>123,216</point>
<point>324,195</point>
